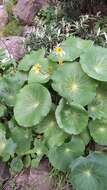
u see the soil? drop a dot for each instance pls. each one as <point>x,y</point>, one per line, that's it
<point>28,179</point>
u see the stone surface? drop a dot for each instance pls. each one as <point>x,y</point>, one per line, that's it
<point>3,17</point>
<point>1,2</point>
<point>4,172</point>
<point>26,10</point>
<point>35,179</point>
<point>14,46</point>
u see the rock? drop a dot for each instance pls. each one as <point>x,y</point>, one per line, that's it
<point>1,2</point>
<point>14,46</point>
<point>3,17</point>
<point>39,178</point>
<point>26,10</point>
<point>4,172</point>
<point>35,179</point>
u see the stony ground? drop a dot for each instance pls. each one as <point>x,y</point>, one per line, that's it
<point>29,179</point>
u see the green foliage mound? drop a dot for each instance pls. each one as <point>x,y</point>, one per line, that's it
<point>56,106</point>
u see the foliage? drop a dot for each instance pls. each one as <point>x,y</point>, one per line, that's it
<point>52,26</point>
<point>9,5</point>
<point>12,28</point>
<point>55,106</point>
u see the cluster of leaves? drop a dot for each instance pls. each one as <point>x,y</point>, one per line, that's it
<point>56,106</point>
<point>14,26</point>
<point>52,27</point>
<point>48,30</point>
<point>91,27</point>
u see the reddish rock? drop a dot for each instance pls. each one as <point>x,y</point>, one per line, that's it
<point>3,17</point>
<point>1,2</point>
<point>27,9</point>
<point>4,172</point>
<point>14,45</point>
<point>37,179</point>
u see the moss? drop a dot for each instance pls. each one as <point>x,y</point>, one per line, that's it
<point>8,6</point>
<point>13,28</point>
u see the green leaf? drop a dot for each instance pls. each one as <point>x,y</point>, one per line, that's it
<point>7,146</point>
<point>73,119</point>
<point>5,61</point>
<point>98,130</point>
<point>94,63</point>
<point>23,138</point>
<point>35,162</point>
<point>85,136</point>
<point>72,48</point>
<point>73,84</point>
<point>52,134</point>
<point>5,157</point>
<point>10,86</point>
<point>32,105</point>
<point>3,110</point>
<point>43,76</point>
<point>40,147</point>
<point>27,161</point>
<point>10,148</point>
<point>2,127</point>
<point>90,172</point>
<point>31,59</point>
<point>98,107</point>
<point>16,165</point>
<point>3,141</point>
<point>61,157</point>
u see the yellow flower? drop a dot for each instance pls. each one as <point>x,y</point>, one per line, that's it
<point>60,61</point>
<point>58,51</point>
<point>37,68</point>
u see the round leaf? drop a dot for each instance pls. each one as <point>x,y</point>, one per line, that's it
<point>32,105</point>
<point>30,59</point>
<point>98,108</point>
<point>98,130</point>
<point>49,127</point>
<point>10,86</point>
<point>85,136</point>
<point>61,157</point>
<point>72,83</point>
<point>16,165</point>
<point>89,173</point>
<point>72,48</point>
<point>3,110</point>
<point>22,137</point>
<point>73,119</point>
<point>94,63</point>
<point>43,76</point>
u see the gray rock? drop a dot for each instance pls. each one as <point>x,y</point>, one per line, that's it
<point>14,46</point>
<point>26,10</point>
<point>3,17</point>
<point>4,172</point>
<point>39,178</point>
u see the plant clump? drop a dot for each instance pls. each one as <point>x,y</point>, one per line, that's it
<point>54,106</point>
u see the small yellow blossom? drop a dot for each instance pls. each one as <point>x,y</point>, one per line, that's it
<point>37,68</point>
<point>58,51</point>
<point>60,61</point>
